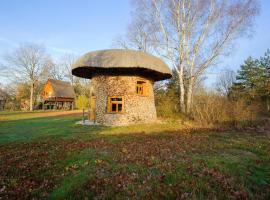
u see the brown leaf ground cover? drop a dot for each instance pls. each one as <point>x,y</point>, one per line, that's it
<point>60,160</point>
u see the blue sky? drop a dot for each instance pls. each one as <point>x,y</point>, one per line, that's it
<point>78,26</point>
<point>62,25</point>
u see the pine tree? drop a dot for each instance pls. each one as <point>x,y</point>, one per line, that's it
<point>264,90</point>
<point>253,81</point>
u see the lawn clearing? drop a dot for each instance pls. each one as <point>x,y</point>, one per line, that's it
<point>51,157</point>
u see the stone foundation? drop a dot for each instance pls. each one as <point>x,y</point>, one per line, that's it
<point>136,108</point>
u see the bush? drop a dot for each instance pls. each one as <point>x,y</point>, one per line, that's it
<point>81,102</point>
<point>166,108</point>
<point>211,109</point>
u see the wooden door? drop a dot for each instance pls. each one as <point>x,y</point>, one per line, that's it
<point>93,108</point>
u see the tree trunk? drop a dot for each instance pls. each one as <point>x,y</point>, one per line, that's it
<point>31,97</point>
<point>181,91</point>
<point>190,94</point>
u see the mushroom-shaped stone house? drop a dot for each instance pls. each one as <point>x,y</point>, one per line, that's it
<point>121,84</point>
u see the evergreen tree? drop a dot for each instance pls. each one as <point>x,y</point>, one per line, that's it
<point>264,90</point>
<point>253,81</point>
<point>166,96</point>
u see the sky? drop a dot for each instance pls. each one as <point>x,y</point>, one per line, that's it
<point>79,26</point>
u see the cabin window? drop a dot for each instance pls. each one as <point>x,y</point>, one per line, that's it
<point>142,88</point>
<point>115,104</point>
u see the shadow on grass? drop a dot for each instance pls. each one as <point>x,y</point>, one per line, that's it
<point>24,130</point>
<point>62,160</point>
<point>197,164</point>
<point>15,129</point>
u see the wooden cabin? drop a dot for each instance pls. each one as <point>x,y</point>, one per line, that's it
<point>57,94</point>
<point>121,84</point>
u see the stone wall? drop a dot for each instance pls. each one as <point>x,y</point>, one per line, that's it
<point>136,108</point>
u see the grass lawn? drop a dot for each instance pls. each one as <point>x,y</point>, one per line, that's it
<point>43,156</point>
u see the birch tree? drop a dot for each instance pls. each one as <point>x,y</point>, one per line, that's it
<point>193,34</point>
<point>27,64</point>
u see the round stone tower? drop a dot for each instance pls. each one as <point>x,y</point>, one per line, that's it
<point>121,85</point>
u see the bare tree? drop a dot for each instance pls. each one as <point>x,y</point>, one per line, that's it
<point>81,85</point>
<point>225,82</point>
<point>56,71</point>
<point>3,72</point>
<point>27,63</point>
<point>138,35</point>
<point>193,34</point>
<point>65,64</point>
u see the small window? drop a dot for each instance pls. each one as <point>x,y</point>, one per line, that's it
<point>142,88</point>
<point>115,105</point>
<point>119,107</point>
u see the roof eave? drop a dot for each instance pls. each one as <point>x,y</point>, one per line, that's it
<point>89,72</point>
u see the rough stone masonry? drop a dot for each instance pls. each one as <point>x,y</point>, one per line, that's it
<point>136,108</point>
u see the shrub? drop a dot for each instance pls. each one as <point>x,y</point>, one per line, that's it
<point>212,109</point>
<point>166,108</point>
<point>81,102</point>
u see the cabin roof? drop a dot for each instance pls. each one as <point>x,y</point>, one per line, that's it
<point>61,88</point>
<point>121,62</point>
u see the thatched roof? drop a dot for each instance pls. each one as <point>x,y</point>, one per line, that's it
<point>121,62</point>
<point>62,89</point>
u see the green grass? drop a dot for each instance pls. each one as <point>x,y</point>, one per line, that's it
<point>26,126</point>
<point>52,157</point>
<point>28,129</point>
